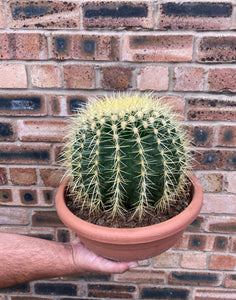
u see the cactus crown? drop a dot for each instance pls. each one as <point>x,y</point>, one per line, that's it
<point>126,153</point>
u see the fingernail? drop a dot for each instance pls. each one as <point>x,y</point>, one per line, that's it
<point>133,265</point>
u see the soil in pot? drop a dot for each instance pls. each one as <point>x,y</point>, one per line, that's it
<point>128,221</point>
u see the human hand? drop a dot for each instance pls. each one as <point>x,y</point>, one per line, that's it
<point>87,261</point>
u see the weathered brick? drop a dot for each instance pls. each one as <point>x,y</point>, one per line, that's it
<point>157,48</point>
<point>216,49</point>
<point>13,76</point>
<point>202,136</point>
<point>56,289</point>
<point>230,182</point>
<point>79,77</point>
<point>116,78</point>
<point>177,105</point>
<point>219,204</point>
<point>153,78</point>
<point>63,235</point>
<point>5,196</point>
<point>222,262</point>
<point>3,176</point>
<point>85,47</point>
<point>211,182</point>
<point>111,291</point>
<point>23,176</point>
<point>233,244</point>
<point>230,281</point>
<point>61,106</point>
<point>44,233</point>
<point>25,46</point>
<point>45,219</point>
<point>195,278</point>
<point>211,109</point>
<point>197,242</point>
<point>58,153</point>
<point>223,79</point>
<point>28,298</point>
<point>28,197</point>
<point>196,225</point>
<point>20,105</point>
<point>43,14</point>
<point>150,292</point>
<point>226,136</point>
<point>182,243</point>
<point>51,177</point>
<point>214,160</point>
<point>2,16</point>
<point>117,14</point>
<point>220,243</point>
<point>7,131</point>
<point>46,197</point>
<point>25,154</point>
<point>43,130</point>
<point>166,260</point>
<point>194,260</point>
<point>216,294</point>
<point>221,224</point>
<point>13,216</point>
<point>19,288</point>
<point>193,15</point>
<point>149,276</point>
<point>188,79</point>
<point>45,76</point>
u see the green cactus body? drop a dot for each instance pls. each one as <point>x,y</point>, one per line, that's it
<point>126,152</point>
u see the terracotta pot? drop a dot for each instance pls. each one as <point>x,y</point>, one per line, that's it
<point>130,244</point>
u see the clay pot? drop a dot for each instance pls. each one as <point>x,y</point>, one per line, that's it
<point>131,244</point>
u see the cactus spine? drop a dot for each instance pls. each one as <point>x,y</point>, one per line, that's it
<point>126,152</point>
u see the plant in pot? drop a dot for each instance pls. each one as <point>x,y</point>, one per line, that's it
<point>128,192</point>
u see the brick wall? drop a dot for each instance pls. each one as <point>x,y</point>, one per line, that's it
<point>56,54</point>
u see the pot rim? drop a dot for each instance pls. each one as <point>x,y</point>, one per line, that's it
<point>130,235</point>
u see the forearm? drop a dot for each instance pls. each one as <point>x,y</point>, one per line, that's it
<point>25,258</point>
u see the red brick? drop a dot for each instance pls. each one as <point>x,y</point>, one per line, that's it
<point>153,78</point>
<point>214,294</point>
<point>211,109</point>
<point>58,153</point>
<point>220,243</point>
<point>230,281</point>
<point>46,76</point>
<point>168,292</point>
<point>79,77</point>
<point>116,78</point>
<point>51,177</point>
<point>188,79</point>
<point>23,176</point>
<point>196,225</point>
<point>28,197</point>
<point>166,260</point>
<point>85,47</point>
<point>203,136</point>
<point>176,104</point>
<point>182,243</point>
<point>43,131</point>
<point>29,298</point>
<point>54,14</point>
<point>219,204</point>
<point>216,49</point>
<point>119,14</point>
<point>221,224</point>
<point>197,242</point>
<point>26,46</point>
<point>211,182</point>
<point>3,176</point>
<point>195,278</point>
<point>13,216</point>
<point>7,131</point>
<point>23,105</point>
<point>214,160</point>
<point>149,276</point>
<point>194,260</point>
<point>61,106</point>
<point>222,79</point>
<point>44,218</point>
<point>25,153</point>
<point>226,136</point>
<point>233,244</point>
<point>5,196</point>
<point>13,76</point>
<point>195,16</point>
<point>222,262</point>
<point>157,48</point>
<point>230,182</point>
<point>2,16</point>
<point>112,291</point>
